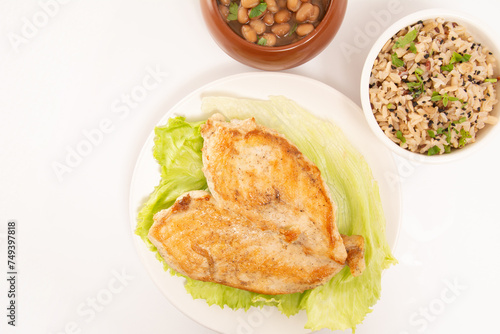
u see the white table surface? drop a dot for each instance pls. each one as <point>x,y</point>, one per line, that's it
<point>71,74</point>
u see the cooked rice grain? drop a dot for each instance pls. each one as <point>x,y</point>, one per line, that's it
<point>465,98</point>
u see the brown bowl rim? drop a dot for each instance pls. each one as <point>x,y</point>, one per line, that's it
<point>327,18</point>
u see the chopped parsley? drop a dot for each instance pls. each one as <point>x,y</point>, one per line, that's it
<point>417,88</point>
<point>448,134</point>
<point>458,58</point>
<point>455,58</point>
<point>464,135</point>
<point>447,68</point>
<point>412,48</point>
<point>400,136</point>
<point>262,41</point>
<point>445,98</point>
<point>436,96</point>
<point>233,12</point>
<point>433,150</point>
<point>396,61</point>
<point>408,38</point>
<point>258,10</point>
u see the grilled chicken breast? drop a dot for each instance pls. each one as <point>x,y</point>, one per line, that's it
<point>268,223</point>
<point>257,172</point>
<point>207,242</point>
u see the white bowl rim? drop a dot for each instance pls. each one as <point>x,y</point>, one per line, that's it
<point>471,23</point>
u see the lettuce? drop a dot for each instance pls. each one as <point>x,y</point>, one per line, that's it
<point>177,149</point>
<point>344,301</point>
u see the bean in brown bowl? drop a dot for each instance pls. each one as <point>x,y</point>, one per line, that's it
<point>297,37</point>
<point>273,22</point>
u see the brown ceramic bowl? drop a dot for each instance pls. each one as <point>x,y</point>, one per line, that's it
<point>279,57</point>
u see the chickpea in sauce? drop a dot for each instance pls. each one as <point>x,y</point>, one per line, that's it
<point>273,22</point>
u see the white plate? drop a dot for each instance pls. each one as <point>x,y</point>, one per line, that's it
<point>319,99</point>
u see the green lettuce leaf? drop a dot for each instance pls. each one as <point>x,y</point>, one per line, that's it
<point>177,149</point>
<point>359,210</point>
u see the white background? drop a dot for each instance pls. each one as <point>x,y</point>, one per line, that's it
<point>64,79</point>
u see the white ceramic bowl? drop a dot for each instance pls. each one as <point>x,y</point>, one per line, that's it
<point>480,32</point>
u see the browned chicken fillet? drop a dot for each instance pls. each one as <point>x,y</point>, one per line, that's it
<point>355,247</point>
<point>258,173</point>
<point>200,239</point>
<point>268,225</point>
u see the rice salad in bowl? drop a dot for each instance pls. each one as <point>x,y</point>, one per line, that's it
<point>429,87</point>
